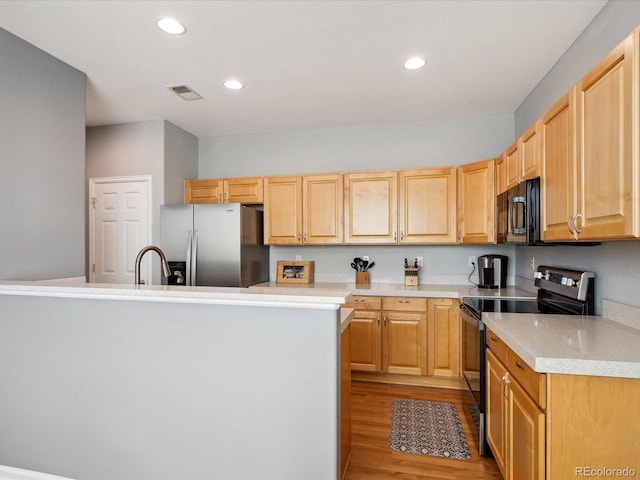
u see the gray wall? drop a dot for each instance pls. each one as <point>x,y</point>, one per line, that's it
<point>180,162</point>
<point>616,263</point>
<point>42,139</point>
<point>431,143</point>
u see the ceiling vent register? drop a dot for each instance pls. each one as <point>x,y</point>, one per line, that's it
<point>185,92</point>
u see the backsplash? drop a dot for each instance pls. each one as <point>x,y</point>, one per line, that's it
<point>443,264</point>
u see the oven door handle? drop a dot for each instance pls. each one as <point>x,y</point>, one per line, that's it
<point>470,316</point>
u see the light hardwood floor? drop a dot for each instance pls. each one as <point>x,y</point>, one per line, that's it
<point>371,457</point>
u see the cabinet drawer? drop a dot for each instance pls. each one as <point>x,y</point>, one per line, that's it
<point>533,382</point>
<point>363,302</point>
<point>404,304</point>
<point>497,346</point>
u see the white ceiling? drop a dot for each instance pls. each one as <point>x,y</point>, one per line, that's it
<point>305,64</point>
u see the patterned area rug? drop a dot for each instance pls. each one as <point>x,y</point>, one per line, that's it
<point>427,428</point>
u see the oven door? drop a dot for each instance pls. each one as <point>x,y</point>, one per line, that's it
<point>472,351</point>
<point>474,367</point>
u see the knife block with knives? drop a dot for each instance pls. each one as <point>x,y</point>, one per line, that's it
<point>411,273</point>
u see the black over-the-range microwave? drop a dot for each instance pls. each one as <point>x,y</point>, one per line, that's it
<point>518,218</point>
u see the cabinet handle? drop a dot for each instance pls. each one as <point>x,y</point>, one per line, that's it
<point>401,236</point>
<point>493,338</point>
<point>404,301</point>
<point>378,320</point>
<point>225,197</point>
<point>219,198</point>
<point>569,226</point>
<point>385,320</point>
<point>575,222</point>
<point>507,382</point>
<point>298,238</point>
<point>395,236</point>
<point>359,300</point>
<point>304,237</point>
<point>520,366</point>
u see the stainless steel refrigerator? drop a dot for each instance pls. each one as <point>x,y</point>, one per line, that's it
<point>222,245</point>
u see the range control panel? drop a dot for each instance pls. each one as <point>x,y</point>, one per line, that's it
<point>571,283</point>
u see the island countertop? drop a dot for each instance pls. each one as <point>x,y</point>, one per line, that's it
<point>570,344</point>
<point>281,297</point>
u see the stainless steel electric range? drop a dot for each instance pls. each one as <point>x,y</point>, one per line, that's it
<point>560,291</point>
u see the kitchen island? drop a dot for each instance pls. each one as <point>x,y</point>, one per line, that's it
<point>126,382</point>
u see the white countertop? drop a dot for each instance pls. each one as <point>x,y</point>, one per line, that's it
<point>264,297</point>
<point>578,345</point>
<point>400,290</point>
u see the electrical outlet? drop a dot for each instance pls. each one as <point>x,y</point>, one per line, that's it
<point>365,258</point>
<point>420,261</point>
<point>533,263</point>
<point>298,258</point>
<point>472,260</point>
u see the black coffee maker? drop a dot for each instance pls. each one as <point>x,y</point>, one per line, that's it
<point>492,271</point>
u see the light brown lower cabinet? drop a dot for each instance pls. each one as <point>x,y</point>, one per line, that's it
<point>559,426</point>
<point>389,334</point>
<point>443,337</point>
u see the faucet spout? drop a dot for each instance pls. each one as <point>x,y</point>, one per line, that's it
<point>166,271</point>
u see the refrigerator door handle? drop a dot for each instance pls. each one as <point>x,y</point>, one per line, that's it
<point>194,259</point>
<point>189,248</point>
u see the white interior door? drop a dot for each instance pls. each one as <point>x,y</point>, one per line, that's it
<point>120,225</point>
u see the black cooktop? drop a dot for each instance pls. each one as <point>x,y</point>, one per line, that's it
<point>503,305</point>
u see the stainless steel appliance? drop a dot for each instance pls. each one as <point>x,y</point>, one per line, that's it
<point>492,271</point>
<point>221,244</point>
<point>560,291</point>
<point>518,211</point>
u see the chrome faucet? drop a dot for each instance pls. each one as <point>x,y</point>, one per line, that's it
<point>166,271</point>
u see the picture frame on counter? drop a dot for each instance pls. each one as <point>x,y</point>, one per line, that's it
<point>295,272</point>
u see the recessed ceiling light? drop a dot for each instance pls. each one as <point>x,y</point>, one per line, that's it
<point>414,63</point>
<point>233,85</point>
<point>171,26</point>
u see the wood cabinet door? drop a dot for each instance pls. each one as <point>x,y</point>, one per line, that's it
<point>323,206</point>
<point>203,191</point>
<point>512,164</point>
<point>427,201</point>
<point>404,343</point>
<point>558,185</point>
<point>371,207</point>
<point>443,338</point>
<point>608,167</point>
<point>243,190</point>
<point>283,210</point>
<point>526,436</point>
<point>496,410</point>
<point>529,149</point>
<point>477,202</point>
<point>501,175</point>
<point>366,341</point>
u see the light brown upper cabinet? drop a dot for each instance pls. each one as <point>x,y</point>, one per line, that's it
<point>303,210</point>
<point>558,186</point>
<point>589,153</point>
<point>247,190</point>
<point>501,175</point>
<point>607,155</point>
<point>322,207</point>
<point>521,158</point>
<point>427,201</point>
<point>371,207</point>
<point>477,202</point>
